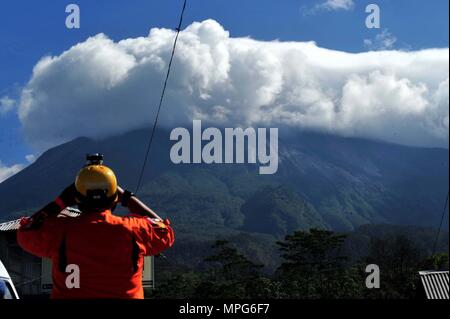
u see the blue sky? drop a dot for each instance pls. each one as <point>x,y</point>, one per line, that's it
<point>30,30</point>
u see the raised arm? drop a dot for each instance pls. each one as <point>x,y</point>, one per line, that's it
<point>134,205</point>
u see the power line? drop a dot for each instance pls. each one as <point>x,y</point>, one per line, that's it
<point>178,29</point>
<point>440,225</point>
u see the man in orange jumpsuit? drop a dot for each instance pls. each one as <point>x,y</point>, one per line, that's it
<point>107,250</point>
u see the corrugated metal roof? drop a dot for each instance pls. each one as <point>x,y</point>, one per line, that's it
<point>14,224</point>
<point>435,284</point>
<point>11,225</point>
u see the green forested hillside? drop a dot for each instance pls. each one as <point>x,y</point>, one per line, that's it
<point>323,181</point>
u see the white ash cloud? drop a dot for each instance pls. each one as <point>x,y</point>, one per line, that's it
<point>100,88</point>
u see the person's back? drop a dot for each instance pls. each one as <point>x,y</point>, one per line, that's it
<point>98,254</point>
<point>104,248</point>
<point>108,251</point>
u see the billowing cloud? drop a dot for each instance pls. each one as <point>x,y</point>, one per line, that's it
<point>30,158</point>
<point>336,5</point>
<point>100,87</point>
<point>384,40</point>
<point>6,104</point>
<point>8,171</point>
<point>327,6</point>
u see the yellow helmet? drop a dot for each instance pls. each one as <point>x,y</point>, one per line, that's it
<point>96,186</point>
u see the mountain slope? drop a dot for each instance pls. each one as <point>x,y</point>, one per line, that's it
<point>279,211</point>
<point>328,181</point>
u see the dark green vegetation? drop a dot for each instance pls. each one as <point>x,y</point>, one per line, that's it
<point>314,264</point>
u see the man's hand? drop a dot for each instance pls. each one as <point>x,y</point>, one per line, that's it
<point>65,199</point>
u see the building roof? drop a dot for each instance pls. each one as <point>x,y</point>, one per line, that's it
<point>13,225</point>
<point>435,284</point>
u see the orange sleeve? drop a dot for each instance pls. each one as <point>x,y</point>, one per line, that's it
<point>154,235</point>
<point>43,241</point>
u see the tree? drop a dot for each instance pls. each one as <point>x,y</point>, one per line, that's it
<point>228,264</point>
<point>436,262</point>
<point>177,286</point>
<point>313,266</point>
<point>232,275</point>
<point>399,260</point>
